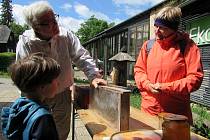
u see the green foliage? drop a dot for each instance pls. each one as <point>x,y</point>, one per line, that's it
<point>17,29</point>
<point>201,110</point>
<point>81,81</point>
<point>111,24</point>
<point>4,74</point>
<point>6,17</point>
<point>135,97</point>
<point>91,27</point>
<point>133,88</point>
<point>200,127</point>
<point>135,100</point>
<point>5,60</point>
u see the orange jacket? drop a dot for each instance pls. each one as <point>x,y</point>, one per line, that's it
<point>179,75</point>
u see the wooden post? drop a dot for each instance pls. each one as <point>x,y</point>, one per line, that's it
<point>120,73</point>
<point>105,59</point>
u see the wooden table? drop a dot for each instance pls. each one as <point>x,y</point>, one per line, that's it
<point>139,123</point>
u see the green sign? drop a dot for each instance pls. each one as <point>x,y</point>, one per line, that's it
<point>199,30</point>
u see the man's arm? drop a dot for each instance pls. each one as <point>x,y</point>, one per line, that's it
<point>82,59</point>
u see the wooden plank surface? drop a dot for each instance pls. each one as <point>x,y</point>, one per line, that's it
<point>141,120</point>
<point>98,127</point>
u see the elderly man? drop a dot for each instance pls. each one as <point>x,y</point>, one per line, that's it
<point>63,46</point>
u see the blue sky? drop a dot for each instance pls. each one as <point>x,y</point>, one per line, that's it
<point>74,12</point>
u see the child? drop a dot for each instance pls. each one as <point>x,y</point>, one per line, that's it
<point>27,118</point>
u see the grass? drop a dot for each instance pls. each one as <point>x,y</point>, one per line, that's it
<point>201,121</point>
<point>81,81</point>
<point>135,100</point>
<point>200,110</point>
<point>4,74</point>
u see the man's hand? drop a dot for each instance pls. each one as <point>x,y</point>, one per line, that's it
<point>98,81</point>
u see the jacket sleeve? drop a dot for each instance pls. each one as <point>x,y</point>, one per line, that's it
<point>81,58</point>
<point>140,69</point>
<point>194,73</point>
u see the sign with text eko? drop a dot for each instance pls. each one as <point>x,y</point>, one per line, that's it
<point>199,30</point>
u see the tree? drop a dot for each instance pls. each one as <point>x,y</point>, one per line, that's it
<point>6,13</point>
<point>92,27</point>
<point>18,29</point>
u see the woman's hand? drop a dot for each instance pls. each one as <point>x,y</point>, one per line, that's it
<point>154,88</point>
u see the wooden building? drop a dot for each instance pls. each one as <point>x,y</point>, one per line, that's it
<point>196,21</point>
<point>130,35</point>
<point>7,43</point>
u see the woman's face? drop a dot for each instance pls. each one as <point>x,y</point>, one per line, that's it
<point>46,26</point>
<point>163,32</point>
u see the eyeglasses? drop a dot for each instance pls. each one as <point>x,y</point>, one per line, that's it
<point>48,23</point>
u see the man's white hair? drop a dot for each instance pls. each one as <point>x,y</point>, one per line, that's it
<point>35,10</point>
